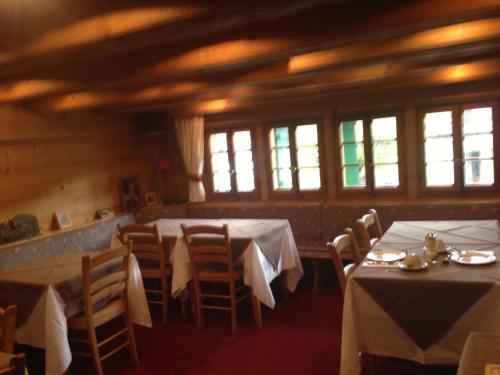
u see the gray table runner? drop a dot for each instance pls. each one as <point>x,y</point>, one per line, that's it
<point>267,233</point>
<point>24,286</point>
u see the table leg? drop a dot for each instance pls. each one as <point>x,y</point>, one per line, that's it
<point>257,312</point>
<point>284,286</point>
<point>317,281</point>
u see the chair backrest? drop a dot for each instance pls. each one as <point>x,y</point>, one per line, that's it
<point>100,286</point>
<point>8,325</point>
<point>208,244</point>
<point>147,243</point>
<point>342,243</point>
<point>16,366</point>
<point>367,223</point>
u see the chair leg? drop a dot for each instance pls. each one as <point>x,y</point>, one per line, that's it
<point>199,310</point>
<point>94,350</point>
<point>183,302</point>
<point>164,297</point>
<point>192,296</point>
<point>234,324</point>
<point>134,356</point>
<point>257,313</point>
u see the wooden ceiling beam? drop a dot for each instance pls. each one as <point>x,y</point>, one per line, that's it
<point>374,76</point>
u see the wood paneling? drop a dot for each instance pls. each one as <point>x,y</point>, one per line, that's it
<point>71,163</point>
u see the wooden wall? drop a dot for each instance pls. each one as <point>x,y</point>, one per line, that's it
<point>70,162</point>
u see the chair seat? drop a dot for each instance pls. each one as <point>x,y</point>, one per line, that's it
<point>113,309</point>
<point>155,273</point>
<point>207,273</point>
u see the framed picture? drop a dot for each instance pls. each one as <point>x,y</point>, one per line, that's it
<point>150,198</point>
<point>62,220</point>
<point>103,213</point>
<point>130,193</point>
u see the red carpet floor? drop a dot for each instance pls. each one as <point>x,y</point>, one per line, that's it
<point>300,336</point>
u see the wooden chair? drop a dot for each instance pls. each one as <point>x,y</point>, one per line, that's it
<point>150,253</point>
<point>342,243</point>
<point>369,222</point>
<point>104,300</point>
<point>212,262</point>
<point>8,325</point>
<point>16,365</point>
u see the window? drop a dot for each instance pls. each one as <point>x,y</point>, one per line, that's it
<point>230,162</point>
<point>458,148</point>
<point>369,154</point>
<point>294,158</point>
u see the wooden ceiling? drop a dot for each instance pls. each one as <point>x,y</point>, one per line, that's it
<point>191,56</point>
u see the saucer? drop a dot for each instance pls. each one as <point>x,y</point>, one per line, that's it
<point>404,267</point>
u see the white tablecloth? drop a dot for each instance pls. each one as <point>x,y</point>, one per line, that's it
<point>46,326</point>
<point>368,328</point>
<point>257,268</point>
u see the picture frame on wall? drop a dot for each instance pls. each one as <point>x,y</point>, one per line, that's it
<point>151,198</point>
<point>130,193</point>
<point>103,213</point>
<point>62,220</point>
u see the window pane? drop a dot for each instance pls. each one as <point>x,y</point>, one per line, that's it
<point>307,157</point>
<point>244,180</point>
<point>438,149</point>
<point>384,128</point>
<point>218,142</point>
<point>437,123</point>
<point>479,172</point>
<point>281,158</point>
<point>477,120</point>
<point>439,173</point>
<point>220,162</point>
<point>351,131</point>
<point>478,146</point>
<point>353,153</point>
<point>279,137</point>
<point>222,182</point>
<point>306,135</point>
<point>242,140</point>
<point>309,179</point>
<point>386,176</point>
<point>385,152</point>
<point>243,163</point>
<point>354,176</point>
<point>282,179</point>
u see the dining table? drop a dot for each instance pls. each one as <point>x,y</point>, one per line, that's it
<point>423,315</point>
<point>48,291</point>
<point>264,247</point>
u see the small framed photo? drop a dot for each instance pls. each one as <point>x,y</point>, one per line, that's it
<point>103,213</point>
<point>130,193</point>
<point>151,198</point>
<point>62,220</point>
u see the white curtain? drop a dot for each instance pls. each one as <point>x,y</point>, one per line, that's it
<point>190,135</point>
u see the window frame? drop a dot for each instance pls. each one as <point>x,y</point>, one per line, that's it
<point>370,191</point>
<point>458,189</point>
<point>295,192</point>
<point>208,173</point>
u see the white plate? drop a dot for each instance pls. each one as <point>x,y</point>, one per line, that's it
<point>386,255</point>
<point>473,257</point>
<point>404,267</point>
